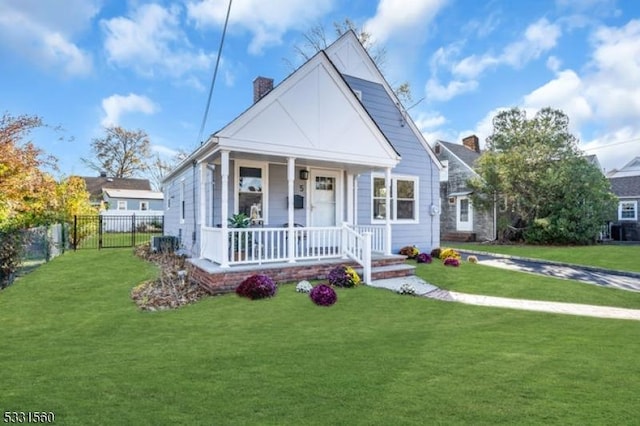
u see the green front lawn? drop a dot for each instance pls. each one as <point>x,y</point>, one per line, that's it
<point>74,343</point>
<point>620,257</point>
<point>491,281</point>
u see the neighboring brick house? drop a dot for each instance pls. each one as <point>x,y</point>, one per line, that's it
<point>625,183</point>
<point>459,221</point>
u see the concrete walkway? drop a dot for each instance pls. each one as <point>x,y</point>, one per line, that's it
<point>614,279</point>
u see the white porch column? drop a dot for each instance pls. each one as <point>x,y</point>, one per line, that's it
<point>350,199</point>
<point>355,204</point>
<point>203,205</point>
<point>224,206</point>
<point>291,176</point>
<point>387,224</point>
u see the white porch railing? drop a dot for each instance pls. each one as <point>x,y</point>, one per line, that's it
<point>378,233</point>
<point>265,245</point>
<point>358,247</point>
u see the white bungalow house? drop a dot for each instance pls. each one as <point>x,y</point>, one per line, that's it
<point>334,139</point>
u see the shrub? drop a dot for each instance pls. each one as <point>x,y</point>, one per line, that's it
<point>472,259</point>
<point>410,251</point>
<point>423,258</point>
<point>11,252</point>
<point>449,252</point>
<point>344,276</point>
<point>407,289</point>
<point>304,287</point>
<point>323,295</point>
<point>257,287</point>
<point>435,253</point>
<point>451,261</point>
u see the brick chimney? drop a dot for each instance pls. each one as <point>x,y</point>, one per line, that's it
<point>261,86</point>
<point>472,142</point>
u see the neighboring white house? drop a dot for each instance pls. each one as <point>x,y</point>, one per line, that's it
<point>133,201</point>
<point>120,197</point>
<point>320,163</point>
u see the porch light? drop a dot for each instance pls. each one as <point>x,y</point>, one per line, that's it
<point>304,174</point>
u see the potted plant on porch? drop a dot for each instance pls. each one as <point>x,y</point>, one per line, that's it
<point>240,244</point>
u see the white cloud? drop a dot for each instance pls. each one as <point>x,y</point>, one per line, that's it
<point>399,16</point>
<point>539,37</point>
<point>566,93</point>
<point>614,84</point>
<point>151,39</point>
<point>268,21</point>
<point>439,92</point>
<point>43,32</point>
<point>429,121</point>
<point>116,105</point>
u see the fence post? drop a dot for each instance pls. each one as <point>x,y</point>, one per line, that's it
<point>75,232</point>
<point>99,218</point>
<point>133,230</point>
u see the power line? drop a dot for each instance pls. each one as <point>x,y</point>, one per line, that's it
<point>612,144</point>
<point>215,73</point>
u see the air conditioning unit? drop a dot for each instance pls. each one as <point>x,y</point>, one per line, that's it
<point>165,244</point>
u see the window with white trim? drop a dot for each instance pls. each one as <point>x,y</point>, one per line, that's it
<point>144,205</point>
<point>628,210</point>
<point>122,204</point>
<point>251,187</point>
<point>403,198</point>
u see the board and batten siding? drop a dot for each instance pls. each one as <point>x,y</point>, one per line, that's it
<point>425,234</point>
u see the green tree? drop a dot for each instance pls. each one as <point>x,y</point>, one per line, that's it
<point>121,153</point>
<point>535,172</point>
<point>27,192</point>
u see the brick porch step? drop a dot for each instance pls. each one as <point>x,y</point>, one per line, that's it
<point>390,271</point>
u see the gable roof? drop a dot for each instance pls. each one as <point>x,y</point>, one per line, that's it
<point>134,194</point>
<point>627,186</point>
<point>96,185</point>
<point>299,109</point>
<point>313,114</point>
<point>466,156</point>
<point>351,58</point>
<point>632,168</point>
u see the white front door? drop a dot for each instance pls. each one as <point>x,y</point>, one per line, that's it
<point>464,214</point>
<point>324,202</point>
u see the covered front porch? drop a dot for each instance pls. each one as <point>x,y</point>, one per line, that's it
<point>320,228</point>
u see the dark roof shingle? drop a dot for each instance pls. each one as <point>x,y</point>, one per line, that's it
<point>628,186</point>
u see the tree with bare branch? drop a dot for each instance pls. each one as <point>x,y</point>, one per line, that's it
<point>316,39</point>
<point>121,153</point>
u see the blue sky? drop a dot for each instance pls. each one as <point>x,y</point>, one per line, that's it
<point>85,64</point>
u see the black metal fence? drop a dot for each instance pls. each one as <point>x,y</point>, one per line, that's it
<point>111,231</point>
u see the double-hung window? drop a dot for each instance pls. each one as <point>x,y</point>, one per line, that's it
<point>122,205</point>
<point>403,198</point>
<point>628,210</point>
<point>251,188</point>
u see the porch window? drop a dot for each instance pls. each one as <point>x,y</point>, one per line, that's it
<point>628,210</point>
<point>122,205</point>
<point>251,188</point>
<point>403,198</point>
